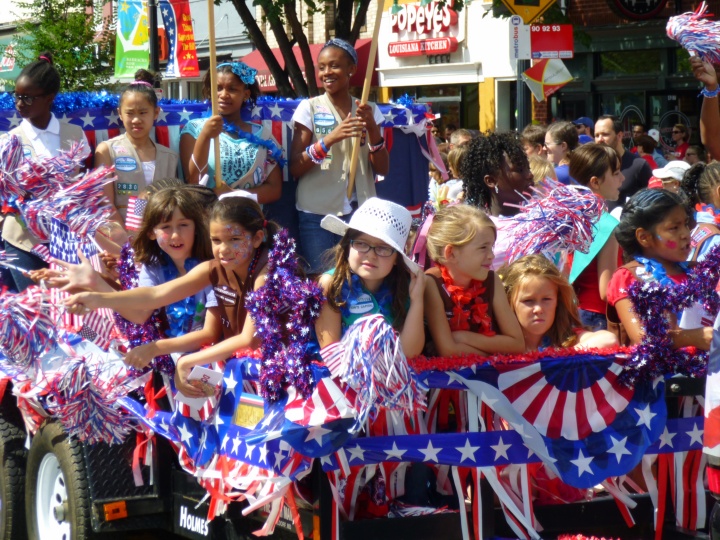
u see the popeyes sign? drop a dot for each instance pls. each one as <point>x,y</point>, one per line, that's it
<point>425,30</point>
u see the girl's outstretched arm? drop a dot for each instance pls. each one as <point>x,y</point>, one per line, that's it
<point>246,339</point>
<point>210,333</point>
<point>439,327</point>
<point>412,335</point>
<point>328,326</point>
<point>510,338</point>
<point>148,297</point>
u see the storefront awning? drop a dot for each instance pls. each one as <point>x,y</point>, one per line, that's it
<point>267,81</point>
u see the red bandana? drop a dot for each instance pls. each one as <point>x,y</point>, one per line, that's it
<point>460,297</point>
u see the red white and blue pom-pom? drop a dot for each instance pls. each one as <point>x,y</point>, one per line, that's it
<point>558,218</point>
<point>83,397</point>
<point>375,367</point>
<point>696,34</point>
<point>26,326</point>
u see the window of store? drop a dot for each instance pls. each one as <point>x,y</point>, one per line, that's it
<point>456,104</point>
<point>622,63</point>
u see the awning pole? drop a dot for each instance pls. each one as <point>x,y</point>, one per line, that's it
<point>213,91</point>
<point>365,93</point>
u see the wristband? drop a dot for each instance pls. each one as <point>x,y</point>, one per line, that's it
<point>310,150</point>
<point>322,145</point>
<point>710,93</point>
<point>372,148</point>
<point>319,152</point>
<point>192,158</point>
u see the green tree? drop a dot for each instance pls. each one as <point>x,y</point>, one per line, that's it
<point>81,41</point>
<point>281,15</point>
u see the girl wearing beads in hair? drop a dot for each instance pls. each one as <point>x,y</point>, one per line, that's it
<point>138,160</point>
<point>596,166</point>
<point>545,306</point>
<point>654,234</point>
<point>465,306</point>
<point>324,127</point>
<point>701,184</point>
<point>240,238</point>
<point>42,136</point>
<point>250,158</point>
<point>373,275</point>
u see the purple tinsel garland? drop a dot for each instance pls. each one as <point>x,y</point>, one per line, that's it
<point>139,334</point>
<point>655,356</point>
<point>284,311</point>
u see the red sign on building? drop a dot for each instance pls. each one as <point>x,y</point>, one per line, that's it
<point>443,45</point>
<point>424,26</point>
<point>551,41</point>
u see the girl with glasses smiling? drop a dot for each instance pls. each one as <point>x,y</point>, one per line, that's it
<point>42,136</point>
<point>372,275</point>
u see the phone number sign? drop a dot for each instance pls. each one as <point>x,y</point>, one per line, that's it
<point>551,41</point>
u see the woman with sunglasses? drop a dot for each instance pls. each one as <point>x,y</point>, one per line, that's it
<point>42,136</point>
<point>680,137</point>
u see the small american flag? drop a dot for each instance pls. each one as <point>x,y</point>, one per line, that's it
<point>42,251</point>
<point>135,211</point>
<point>98,325</point>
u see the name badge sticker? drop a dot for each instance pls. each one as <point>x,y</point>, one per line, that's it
<point>126,164</point>
<point>362,304</point>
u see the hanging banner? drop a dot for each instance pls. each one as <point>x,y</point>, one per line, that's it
<point>132,46</point>
<point>182,55</point>
<point>546,77</point>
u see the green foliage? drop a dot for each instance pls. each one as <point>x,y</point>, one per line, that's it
<point>65,29</point>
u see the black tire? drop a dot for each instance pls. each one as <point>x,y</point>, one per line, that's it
<point>13,457</point>
<point>52,443</point>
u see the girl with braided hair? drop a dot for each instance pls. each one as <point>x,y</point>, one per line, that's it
<point>495,172</point>
<point>701,184</point>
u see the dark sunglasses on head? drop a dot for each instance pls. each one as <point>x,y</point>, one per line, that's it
<point>27,100</point>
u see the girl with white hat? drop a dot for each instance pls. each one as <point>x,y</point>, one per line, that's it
<point>372,275</point>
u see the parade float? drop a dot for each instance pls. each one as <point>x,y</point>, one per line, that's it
<point>351,442</point>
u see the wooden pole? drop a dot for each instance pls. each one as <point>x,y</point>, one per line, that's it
<point>365,94</point>
<point>213,88</point>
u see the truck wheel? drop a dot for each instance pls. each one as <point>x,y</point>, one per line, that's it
<point>57,499</point>
<point>13,456</point>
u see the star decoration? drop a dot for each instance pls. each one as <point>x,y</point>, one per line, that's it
<point>230,384</point>
<point>666,438</point>
<point>113,119</point>
<point>185,115</point>
<point>263,453</point>
<point>356,453</point>
<point>185,434</point>
<point>582,463</point>
<point>87,119</point>
<point>430,453</point>
<point>226,440</point>
<point>236,444</point>
<point>395,452</point>
<point>249,450</point>
<point>275,110</point>
<point>618,448</point>
<point>500,449</point>
<point>645,416</point>
<point>162,116</point>
<point>467,451</point>
<point>315,433</point>
<point>695,435</point>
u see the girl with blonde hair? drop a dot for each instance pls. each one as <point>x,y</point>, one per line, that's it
<point>465,309</point>
<point>546,307</point>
